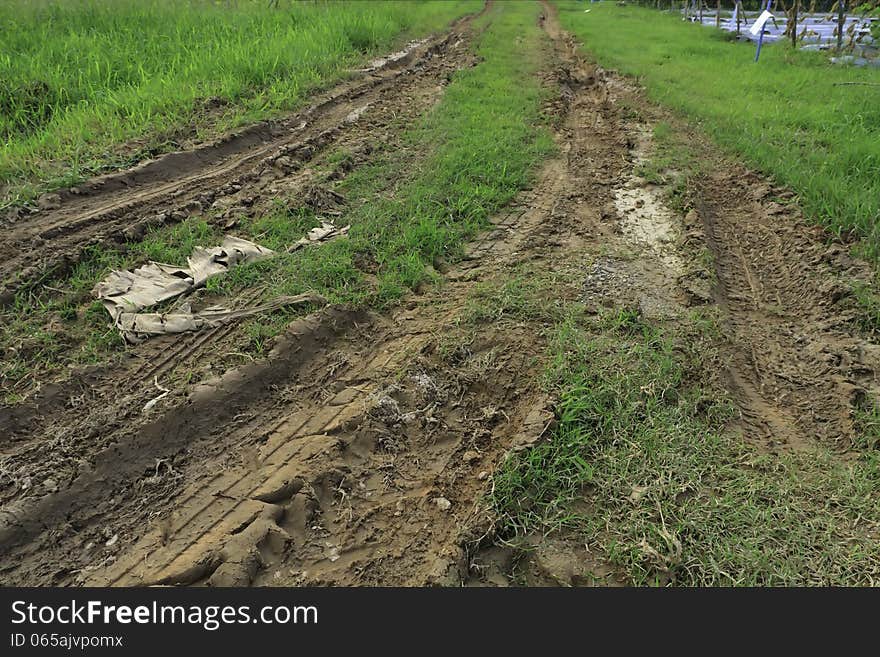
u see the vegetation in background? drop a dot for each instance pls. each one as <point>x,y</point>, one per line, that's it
<point>789,115</point>
<point>459,164</point>
<point>81,77</point>
<point>642,469</point>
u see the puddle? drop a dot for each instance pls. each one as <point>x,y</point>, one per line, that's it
<point>644,218</point>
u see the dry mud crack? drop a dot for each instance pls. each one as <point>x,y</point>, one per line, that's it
<point>359,451</point>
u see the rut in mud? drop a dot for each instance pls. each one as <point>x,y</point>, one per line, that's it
<point>360,450</point>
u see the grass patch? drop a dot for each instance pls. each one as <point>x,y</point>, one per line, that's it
<point>867,303</point>
<point>641,467</point>
<point>523,297</point>
<point>78,78</point>
<point>786,115</point>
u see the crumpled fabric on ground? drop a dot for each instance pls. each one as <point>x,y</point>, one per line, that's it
<point>137,327</point>
<point>131,291</point>
<point>125,293</point>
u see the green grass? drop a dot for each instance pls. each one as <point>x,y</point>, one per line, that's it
<point>526,295</point>
<point>786,115</point>
<point>415,203</point>
<point>641,468</point>
<point>91,85</point>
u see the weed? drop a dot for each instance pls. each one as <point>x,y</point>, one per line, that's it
<point>868,305</point>
<point>520,298</point>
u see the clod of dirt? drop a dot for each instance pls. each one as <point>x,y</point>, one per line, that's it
<point>49,202</point>
<point>322,199</point>
<point>697,285</point>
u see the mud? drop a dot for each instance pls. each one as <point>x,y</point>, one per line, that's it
<point>360,449</point>
<point>798,366</point>
<point>792,358</point>
<point>645,218</point>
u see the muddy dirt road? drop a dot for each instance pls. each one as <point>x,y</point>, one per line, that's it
<point>359,451</point>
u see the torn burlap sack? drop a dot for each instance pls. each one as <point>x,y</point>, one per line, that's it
<point>126,293</point>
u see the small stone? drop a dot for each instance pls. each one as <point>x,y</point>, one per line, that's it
<point>638,492</point>
<point>50,485</point>
<point>49,202</point>
<point>442,503</point>
<point>470,456</point>
<point>112,541</point>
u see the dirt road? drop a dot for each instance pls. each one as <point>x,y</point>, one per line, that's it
<point>360,450</point>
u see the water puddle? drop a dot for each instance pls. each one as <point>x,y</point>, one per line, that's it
<point>645,220</point>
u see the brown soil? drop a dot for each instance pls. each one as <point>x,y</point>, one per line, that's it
<point>359,451</point>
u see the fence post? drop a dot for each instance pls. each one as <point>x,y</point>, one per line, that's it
<point>761,33</point>
<point>841,19</point>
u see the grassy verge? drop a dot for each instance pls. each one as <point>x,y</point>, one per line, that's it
<point>90,85</point>
<point>641,467</point>
<point>788,115</point>
<point>415,203</point>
